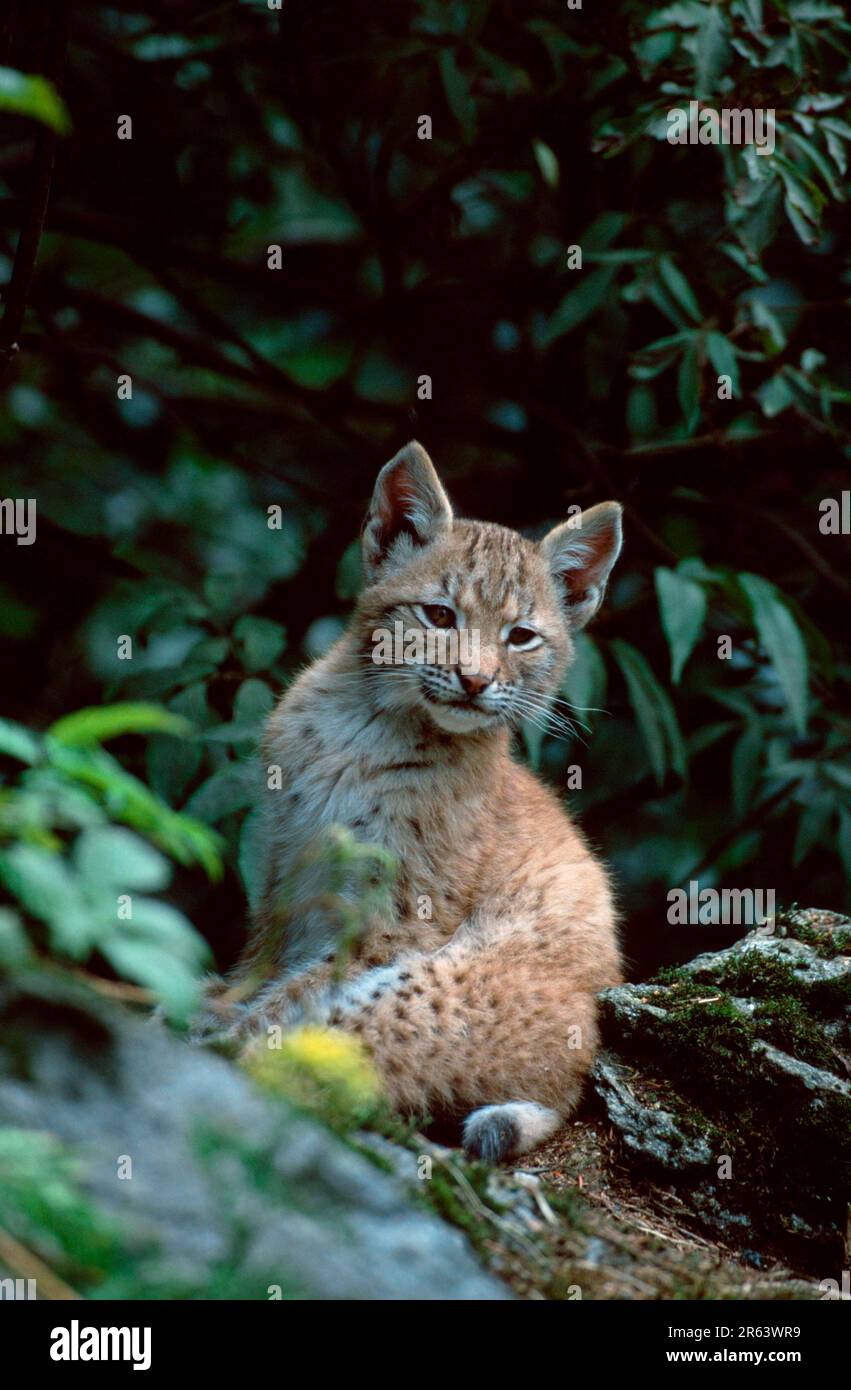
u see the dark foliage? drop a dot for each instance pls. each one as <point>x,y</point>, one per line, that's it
<point>552,384</point>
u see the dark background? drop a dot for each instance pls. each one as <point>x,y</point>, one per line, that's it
<point>550,386</point>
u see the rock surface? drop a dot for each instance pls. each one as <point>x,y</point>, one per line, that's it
<point>724,1170</point>
<point>230,1192</point>
<point>730,1077</point>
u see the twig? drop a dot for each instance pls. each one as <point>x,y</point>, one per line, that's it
<point>807,549</point>
<point>24,1263</point>
<point>115,989</point>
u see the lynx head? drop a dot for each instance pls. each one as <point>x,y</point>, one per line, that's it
<point>468,622</point>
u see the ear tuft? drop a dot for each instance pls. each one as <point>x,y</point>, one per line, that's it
<point>409,509</point>
<point>580,555</point>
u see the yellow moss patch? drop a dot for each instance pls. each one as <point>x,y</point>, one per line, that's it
<point>321,1069</point>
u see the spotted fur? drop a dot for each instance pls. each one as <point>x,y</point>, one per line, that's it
<point>487,1005</point>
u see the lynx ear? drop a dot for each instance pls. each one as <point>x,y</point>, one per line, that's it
<point>581,554</point>
<point>409,509</point>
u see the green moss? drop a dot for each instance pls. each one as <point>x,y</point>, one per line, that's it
<point>457,1191</point>
<point>670,975</point>
<point>827,942</point>
<point>755,974</point>
<point>785,1022</point>
<point>790,1151</point>
<point>830,1125</point>
<point>710,1041</point>
<point>565,1202</point>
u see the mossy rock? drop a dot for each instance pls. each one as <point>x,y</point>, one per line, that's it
<point>751,1048</point>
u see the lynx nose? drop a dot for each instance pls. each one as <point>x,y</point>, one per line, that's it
<point>472,684</point>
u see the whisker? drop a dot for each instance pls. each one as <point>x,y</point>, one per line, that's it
<point>535,709</point>
<point>559,720</point>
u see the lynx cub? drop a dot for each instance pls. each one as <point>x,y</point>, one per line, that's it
<point>486,1009</point>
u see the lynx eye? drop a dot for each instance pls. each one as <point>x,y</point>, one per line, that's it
<point>523,639</point>
<point>438,614</point>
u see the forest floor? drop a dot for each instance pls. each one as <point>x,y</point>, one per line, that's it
<point>603,1234</point>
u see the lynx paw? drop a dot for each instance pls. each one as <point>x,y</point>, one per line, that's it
<point>496,1132</point>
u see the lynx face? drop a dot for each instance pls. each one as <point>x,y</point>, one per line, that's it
<point>481,619</point>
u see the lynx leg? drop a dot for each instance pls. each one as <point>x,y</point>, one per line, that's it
<point>464,1025</point>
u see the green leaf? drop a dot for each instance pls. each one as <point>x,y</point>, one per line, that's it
<point>686,14</point>
<point>806,233</point>
<point>110,857</point>
<point>45,886</point>
<point>656,357</point>
<point>722,355</point>
<point>752,13</point>
<point>171,764</point>
<point>458,97</point>
<point>621,255</point>
<point>259,642</point>
<point>803,200</point>
<point>682,606</point>
<point>584,685</point>
<point>231,733</point>
<point>747,756</point>
<point>707,734</point>
<point>774,395</point>
<point>783,642</point>
<point>602,231</point>
<point>743,261</point>
<point>838,773</point>
<point>547,163</point>
<point>252,858</point>
<point>756,222</point>
<point>350,572</point>
<point>156,969</point>
<point>678,286</point>
<point>86,727</point>
<point>817,159</point>
<point>836,150</point>
<point>43,1202</point>
<point>688,386</point>
<point>164,926</point>
<point>641,412</point>
<point>843,841</point>
<point>809,11</point>
<point>833,123</point>
<point>812,826</point>
<point>653,711</point>
<point>15,949</point>
<point>579,304</point>
<point>254,701</point>
<point>33,96</point>
<point>16,741</point>
<point>713,50</point>
<point>232,788</point>
<point>130,801</point>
